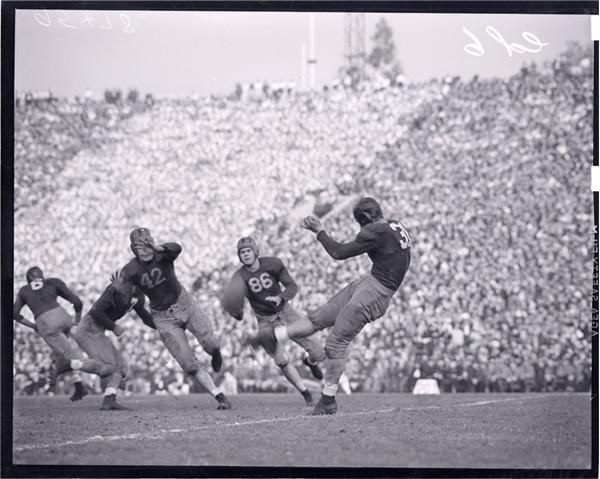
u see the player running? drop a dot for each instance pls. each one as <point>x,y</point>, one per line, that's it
<point>173,309</point>
<point>260,279</point>
<point>53,324</point>
<point>117,300</point>
<point>364,300</point>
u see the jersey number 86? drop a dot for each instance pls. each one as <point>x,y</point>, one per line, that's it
<point>258,284</point>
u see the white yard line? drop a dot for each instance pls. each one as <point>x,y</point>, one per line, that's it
<point>164,432</point>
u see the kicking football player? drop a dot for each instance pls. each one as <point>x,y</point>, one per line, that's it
<point>117,300</point>
<point>53,324</point>
<point>260,279</point>
<point>364,300</point>
<point>173,309</point>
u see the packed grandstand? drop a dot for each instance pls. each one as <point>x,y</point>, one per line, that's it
<point>490,176</point>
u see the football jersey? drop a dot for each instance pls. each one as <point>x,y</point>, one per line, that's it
<point>389,251</point>
<point>111,306</point>
<point>44,299</point>
<point>264,282</point>
<point>156,278</point>
<point>386,242</point>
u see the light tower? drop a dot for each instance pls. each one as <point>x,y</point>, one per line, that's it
<point>311,62</point>
<point>354,44</point>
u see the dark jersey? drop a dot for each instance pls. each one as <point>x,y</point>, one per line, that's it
<point>156,278</point>
<point>44,299</point>
<point>386,242</point>
<point>264,282</point>
<point>112,306</point>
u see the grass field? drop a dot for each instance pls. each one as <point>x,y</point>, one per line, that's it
<point>516,431</point>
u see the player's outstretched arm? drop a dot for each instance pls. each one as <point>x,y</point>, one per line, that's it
<point>171,250</point>
<point>336,250</point>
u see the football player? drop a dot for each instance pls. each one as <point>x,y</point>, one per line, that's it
<point>260,279</point>
<point>53,324</point>
<point>117,300</point>
<point>173,309</point>
<point>366,299</point>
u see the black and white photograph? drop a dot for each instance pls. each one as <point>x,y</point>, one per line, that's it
<point>259,237</point>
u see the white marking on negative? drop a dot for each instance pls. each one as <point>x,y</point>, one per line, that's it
<point>595,21</point>
<point>595,178</point>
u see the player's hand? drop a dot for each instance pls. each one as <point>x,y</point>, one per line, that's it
<point>118,330</point>
<point>118,283</point>
<point>276,300</point>
<point>312,223</point>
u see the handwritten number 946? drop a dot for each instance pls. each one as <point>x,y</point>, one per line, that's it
<point>476,48</point>
<point>63,18</point>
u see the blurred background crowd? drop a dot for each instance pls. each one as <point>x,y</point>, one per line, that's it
<point>490,177</point>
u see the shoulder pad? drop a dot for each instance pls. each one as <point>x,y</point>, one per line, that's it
<point>367,233</point>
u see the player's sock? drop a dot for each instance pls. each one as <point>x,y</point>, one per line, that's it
<point>307,397</point>
<point>281,333</point>
<point>204,378</point>
<point>110,391</point>
<point>76,364</point>
<point>292,376</point>
<point>330,389</point>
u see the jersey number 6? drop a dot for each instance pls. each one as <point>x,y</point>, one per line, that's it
<point>257,285</point>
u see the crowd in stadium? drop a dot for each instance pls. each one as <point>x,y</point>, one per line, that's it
<point>490,176</point>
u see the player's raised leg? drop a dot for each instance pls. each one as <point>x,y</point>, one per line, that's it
<point>91,339</point>
<point>50,325</point>
<point>199,325</point>
<point>175,341</point>
<point>314,351</point>
<point>291,374</point>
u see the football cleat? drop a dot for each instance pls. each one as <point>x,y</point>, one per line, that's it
<point>109,403</point>
<point>223,401</point>
<point>265,338</point>
<point>326,405</point>
<point>217,361</point>
<point>308,399</point>
<point>314,369</point>
<point>80,391</point>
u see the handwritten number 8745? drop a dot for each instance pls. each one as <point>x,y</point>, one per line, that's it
<point>62,17</point>
<point>476,48</point>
